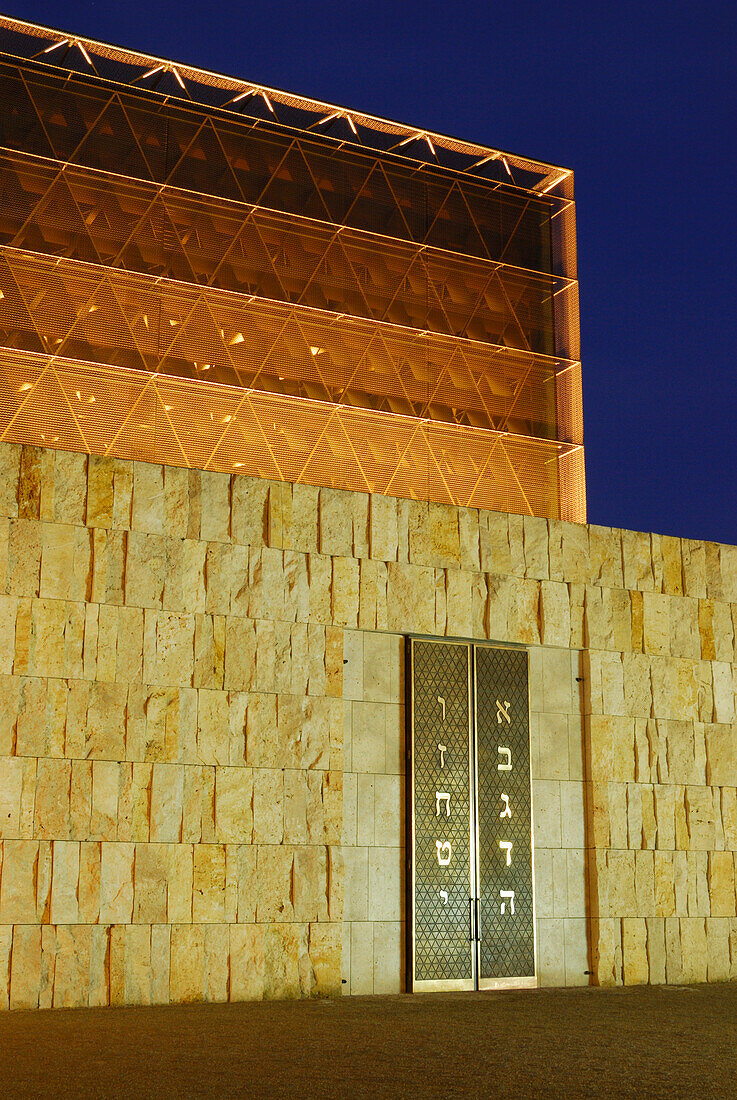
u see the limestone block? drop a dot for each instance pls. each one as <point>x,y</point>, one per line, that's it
<point>138,969</point>
<point>470,546</point>
<point>607,941</point>
<point>11,788</point>
<point>693,949</point>
<point>297,797</point>
<point>105,727</point>
<point>656,623</point>
<point>234,805</point>
<point>8,612</point>
<point>25,542</point>
<point>29,484</point>
<point>52,802</point>
<point>729,817</point>
<point>208,902</point>
<point>723,626</point>
<point>535,547</point>
<point>621,883</point>
<point>664,894</point>
<point>210,642</point>
<point>167,797</point>
<point>694,568</point>
<point>265,679</point>
<point>151,884</point>
<point>670,549</point>
<point>249,510</point>
<point>296,587</point>
<point>554,613</point>
<point>721,754</point>
<point>717,950</point>
<point>441,603</point>
<point>247,961</point>
<point>636,969</point>
<point>673,956</point>
<point>148,509</point>
<point>302,535</point>
<point>459,602</point>
<point>524,620</point>
<point>213,735</point>
<point>116,964</point>
<point>637,683</point>
<point>240,654</point>
<point>18,889</point>
<point>443,546</point>
<point>109,492</point>
<point>145,572</point>
<point>116,883</point>
<point>266,583</point>
<point>714,582</point>
<point>180,883</point>
<point>216,963</point>
<point>80,799</point>
<point>187,963</point>
<point>409,594</point>
<point>287,969</point>
<point>723,688</point>
<point>575,551</point>
<point>98,990</point>
<point>383,529</point>
<point>644,884</point>
<point>605,555</point>
<point>685,640</point>
<point>335,522</point>
<point>10,456</point>
<point>198,824</point>
<point>184,579</point>
<point>697,866</point>
<point>320,575</point>
<point>172,661</point>
<point>25,967</point>
<point>721,884</point>
<point>275,882</point>
<point>88,892</point>
<point>109,553</point>
<point>498,607</point>
<point>268,806</point>
<point>494,546</point>
<point>656,950</point>
<point>637,561</point>
<point>104,807</point>
<point>310,883</point>
<point>345,591</point>
<point>325,952</point>
<point>66,562</point>
<point>216,491</point>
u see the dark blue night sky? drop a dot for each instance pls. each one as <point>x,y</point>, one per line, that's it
<point>640,99</point>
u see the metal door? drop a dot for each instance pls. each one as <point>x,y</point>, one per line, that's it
<point>470,904</point>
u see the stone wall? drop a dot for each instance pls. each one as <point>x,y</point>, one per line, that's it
<point>172,711</point>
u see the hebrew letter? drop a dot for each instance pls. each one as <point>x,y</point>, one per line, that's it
<point>506,753</point>
<point>444,896</point>
<point>506,812</point>
<point>444,847</point>
<point>442,705</point>
<point>507,894</point>
<point>442,750</point>
<point>502,712</point>
<point>506,845</point>
<point>442,796</point>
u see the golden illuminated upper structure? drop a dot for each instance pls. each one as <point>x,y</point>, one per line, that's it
<point>205,272</point>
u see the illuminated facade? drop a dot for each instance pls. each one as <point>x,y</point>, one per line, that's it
<point>207,273</point>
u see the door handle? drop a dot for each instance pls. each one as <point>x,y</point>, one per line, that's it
<point>471,920</point>
<point>478,920</point>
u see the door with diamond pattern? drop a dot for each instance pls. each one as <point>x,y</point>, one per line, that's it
<point>470,905</point>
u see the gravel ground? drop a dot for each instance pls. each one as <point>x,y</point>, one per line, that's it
<point>677,1041</point>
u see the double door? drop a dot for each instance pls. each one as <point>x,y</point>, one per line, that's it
<point>470,905</point>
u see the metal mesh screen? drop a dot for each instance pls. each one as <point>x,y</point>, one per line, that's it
<point>235,294</point>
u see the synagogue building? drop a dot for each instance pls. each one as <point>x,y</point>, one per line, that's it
<point>313,677</point>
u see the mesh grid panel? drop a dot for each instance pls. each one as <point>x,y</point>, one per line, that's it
<point>186,286</point>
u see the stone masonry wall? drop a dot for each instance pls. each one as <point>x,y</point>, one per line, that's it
<point>172,720</point>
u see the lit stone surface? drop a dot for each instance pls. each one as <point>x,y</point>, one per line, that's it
<point>202,733</point>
